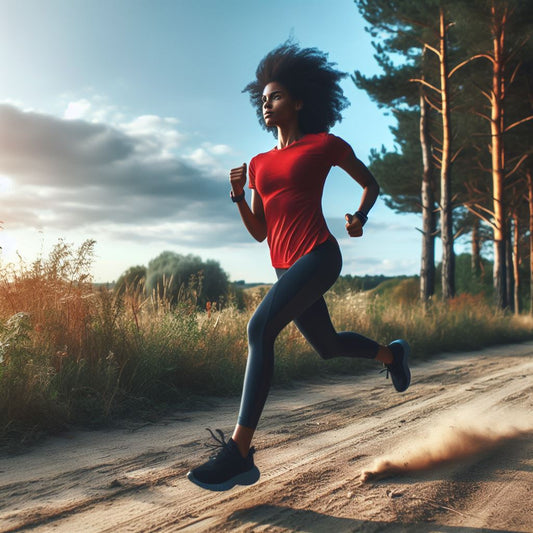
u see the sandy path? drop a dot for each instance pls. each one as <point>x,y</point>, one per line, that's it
<point>314,442</point>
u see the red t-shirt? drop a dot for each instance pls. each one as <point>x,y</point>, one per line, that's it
<point>290,182</point>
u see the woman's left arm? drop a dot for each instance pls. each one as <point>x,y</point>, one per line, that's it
<point>360,173</point>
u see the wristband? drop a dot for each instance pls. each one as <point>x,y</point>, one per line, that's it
<point>362,217</point>
<point>238,198</point>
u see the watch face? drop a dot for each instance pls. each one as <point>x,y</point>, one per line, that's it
<point>237,198</point>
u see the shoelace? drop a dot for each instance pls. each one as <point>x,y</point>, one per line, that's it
<point>386,368</point>
<point>220,443</point>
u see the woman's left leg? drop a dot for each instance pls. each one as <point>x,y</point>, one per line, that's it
<point>296,289</point>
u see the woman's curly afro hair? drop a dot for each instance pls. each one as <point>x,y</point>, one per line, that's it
<point>308,76</point>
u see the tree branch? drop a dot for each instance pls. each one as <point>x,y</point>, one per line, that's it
<point>454,156</point>
<point>486,95</point>
<point>434,50</point>
<point>517,166</point>
<point>480,207</point>
<point>482,115</point>
<point>513,75</point>
<point>460,231</point>
<point>432,105</point>
<point>517,123</point>
<point>461,65</point>
<point>479,215</point>
<point>483,168</point>
<point>517,49</point>
<point>436,141</point>
<point>424,82</point>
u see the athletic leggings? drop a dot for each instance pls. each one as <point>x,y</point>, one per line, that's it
<point>296,296</point>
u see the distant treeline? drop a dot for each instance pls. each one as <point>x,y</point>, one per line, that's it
<point>176,278</point>
<point>362,283</point>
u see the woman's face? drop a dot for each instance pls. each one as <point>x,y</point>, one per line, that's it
<point>279,108</point>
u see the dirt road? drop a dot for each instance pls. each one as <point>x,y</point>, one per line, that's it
<point>454,453</point>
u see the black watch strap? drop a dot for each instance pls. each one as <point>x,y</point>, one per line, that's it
<point>238,198</point>
<point>362,217</point>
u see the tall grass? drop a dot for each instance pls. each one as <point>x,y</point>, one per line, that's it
<point>73,353</point>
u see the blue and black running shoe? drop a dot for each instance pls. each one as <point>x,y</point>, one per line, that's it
<point>399,368</point>
<point>226,468</point>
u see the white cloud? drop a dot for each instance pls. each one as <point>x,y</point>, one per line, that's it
<point>184,233</point>
<point>79,109</point>
<point>6,183</point>
<point>68,174</point>
<point>208,156</point>
<point>149,124</point>
<point>362,265</point>
<point>221,149</point>
<point>201,156</point>
<point>91,107</point>
<point>158,135</point>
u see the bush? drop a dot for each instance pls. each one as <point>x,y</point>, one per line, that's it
<point>169,275</point>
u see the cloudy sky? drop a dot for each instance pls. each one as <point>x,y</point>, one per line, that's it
<point>120,120</point>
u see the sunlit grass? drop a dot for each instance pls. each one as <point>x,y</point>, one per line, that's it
<point>72,353</point>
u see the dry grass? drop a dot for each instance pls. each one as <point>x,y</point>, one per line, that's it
<point>71,353</point>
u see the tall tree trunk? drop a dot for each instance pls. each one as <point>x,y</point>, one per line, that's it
<point>427,268</point>
<point>448,255</point>
<point>529,175</point>
<point>476,250</point>
<point>497,153</point>
<point>516,264</point>
<point>509,280</point>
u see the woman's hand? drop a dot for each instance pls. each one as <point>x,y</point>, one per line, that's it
<point>254,217</point>
<point>353,225</point>
<point>237,178</point>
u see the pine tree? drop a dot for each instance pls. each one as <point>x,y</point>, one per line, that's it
<point>498,33</point>
<point>412,30</point>
<point>489,44</point>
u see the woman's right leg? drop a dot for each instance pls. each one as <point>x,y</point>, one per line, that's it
<point>316,326</point>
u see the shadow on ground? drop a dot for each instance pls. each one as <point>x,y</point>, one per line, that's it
<point>280,516</point>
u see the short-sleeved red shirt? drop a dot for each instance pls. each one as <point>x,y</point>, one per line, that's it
<point>290,182</point>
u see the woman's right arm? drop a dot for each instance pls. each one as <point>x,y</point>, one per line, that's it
<point>254,218</point>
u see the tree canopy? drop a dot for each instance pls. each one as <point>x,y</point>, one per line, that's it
<point>171,275</point>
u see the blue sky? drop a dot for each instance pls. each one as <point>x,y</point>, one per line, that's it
<point>120,120</point>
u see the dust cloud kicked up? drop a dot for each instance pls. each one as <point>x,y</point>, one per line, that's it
<point>464,435</point>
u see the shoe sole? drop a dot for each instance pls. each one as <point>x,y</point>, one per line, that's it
<point>405,364</point>
<point>246,478</point>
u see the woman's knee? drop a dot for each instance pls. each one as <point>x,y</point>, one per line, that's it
<point>254,328</point>
<point>258,330</point>
<point>326,354</point>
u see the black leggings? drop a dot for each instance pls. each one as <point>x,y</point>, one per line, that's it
<point>296,296</point>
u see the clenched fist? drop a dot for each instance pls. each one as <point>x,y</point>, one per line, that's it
<point>353,225</point>
<point>237,178</point>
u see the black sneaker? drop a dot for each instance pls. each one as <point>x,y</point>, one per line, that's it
<point>399,368</point>
<point>225,469</point>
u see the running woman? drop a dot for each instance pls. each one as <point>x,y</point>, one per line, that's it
<point>298,97</point>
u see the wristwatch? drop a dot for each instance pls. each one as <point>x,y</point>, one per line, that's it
<point>238,198</point>
<point>363,217</point>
